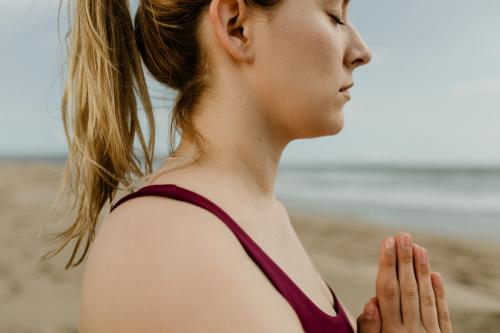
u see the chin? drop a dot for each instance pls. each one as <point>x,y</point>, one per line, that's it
<point>336,123</point>
<point>327,128</point>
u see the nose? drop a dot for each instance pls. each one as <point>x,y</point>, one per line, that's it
<point>363,58</point>
<point>360,54</point>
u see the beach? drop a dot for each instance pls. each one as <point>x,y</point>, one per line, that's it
<point>41,296</point>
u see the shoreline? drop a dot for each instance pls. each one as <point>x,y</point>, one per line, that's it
<point>345,251</point>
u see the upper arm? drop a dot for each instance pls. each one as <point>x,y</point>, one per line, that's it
<point>176,268</point>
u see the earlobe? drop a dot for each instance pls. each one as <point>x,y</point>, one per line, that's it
<point>229,20</point>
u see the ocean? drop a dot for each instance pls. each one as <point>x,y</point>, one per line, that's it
<point>459,202</point>
<point>454,201</point>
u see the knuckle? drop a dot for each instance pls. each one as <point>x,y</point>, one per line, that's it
<point>410,291</point>
<point>390,291</point>
<point>432,325</point>
<point>390,263</point>
<point>439,292</point>
<point>427,301</point>
<point>405,257</point>
<point>444,316</point>
<point>423,270</point>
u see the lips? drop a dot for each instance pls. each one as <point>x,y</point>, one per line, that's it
<point>346,93</point>
<point>347,87</point>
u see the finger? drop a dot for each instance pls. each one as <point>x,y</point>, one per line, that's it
<point>410,308</point>
<point>425,290</point>
<point>387,286</point>
<point>442,303</point>
<point>370,321</point>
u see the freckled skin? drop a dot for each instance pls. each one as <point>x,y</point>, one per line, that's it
<point>283,76</point>
<point>304,58</point>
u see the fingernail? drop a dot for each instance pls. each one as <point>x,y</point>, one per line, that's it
<point>422,256</point>
<point>405,241</point>
<point>389,246</point>
<point>438,280</point>
<point>369,313</point>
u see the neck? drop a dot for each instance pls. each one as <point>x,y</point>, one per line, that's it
<point>241,147</point>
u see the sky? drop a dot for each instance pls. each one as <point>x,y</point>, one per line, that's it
<point>431,94</point>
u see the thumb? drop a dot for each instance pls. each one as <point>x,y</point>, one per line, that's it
<point>370,321</point>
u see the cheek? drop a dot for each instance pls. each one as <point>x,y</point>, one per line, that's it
<point>321,67</point>
<point>320,73</point>
<point>299,72</point>
<point>308,59</point>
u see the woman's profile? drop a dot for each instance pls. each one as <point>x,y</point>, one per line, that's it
<point>204,245</point>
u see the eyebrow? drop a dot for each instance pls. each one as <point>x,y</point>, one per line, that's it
<point>344,2</point>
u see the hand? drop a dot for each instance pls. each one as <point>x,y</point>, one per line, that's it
<point>422,307</point>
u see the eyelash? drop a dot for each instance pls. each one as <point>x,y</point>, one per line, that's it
<point>336,19</point>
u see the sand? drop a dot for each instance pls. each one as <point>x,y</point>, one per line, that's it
<point>40,296</point>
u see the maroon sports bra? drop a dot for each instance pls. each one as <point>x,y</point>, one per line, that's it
<point>312,318</point>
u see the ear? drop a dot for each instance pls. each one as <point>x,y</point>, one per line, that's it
<point>232,28</point>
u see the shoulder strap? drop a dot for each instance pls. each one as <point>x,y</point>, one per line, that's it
<point>273,272</point>
<point>309,314</point>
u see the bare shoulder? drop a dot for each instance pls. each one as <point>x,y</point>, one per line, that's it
<point>163,265</point>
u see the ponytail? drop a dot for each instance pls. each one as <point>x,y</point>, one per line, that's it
<point>99,114</point>
<point>99,108</point>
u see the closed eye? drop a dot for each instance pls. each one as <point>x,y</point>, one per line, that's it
<point>336,19</point>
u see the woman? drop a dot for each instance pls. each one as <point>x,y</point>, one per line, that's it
<point>251,76</point>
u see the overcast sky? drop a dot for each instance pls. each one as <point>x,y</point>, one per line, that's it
<point>430,95</point>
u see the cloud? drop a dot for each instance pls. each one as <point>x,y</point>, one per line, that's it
<point>477,87</point>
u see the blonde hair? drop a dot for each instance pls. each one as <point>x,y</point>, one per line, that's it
<point>99,107</point>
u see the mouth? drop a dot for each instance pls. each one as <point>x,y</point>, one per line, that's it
<point>346,94</point>
<point>344,88</point>
<point>345,91</point>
